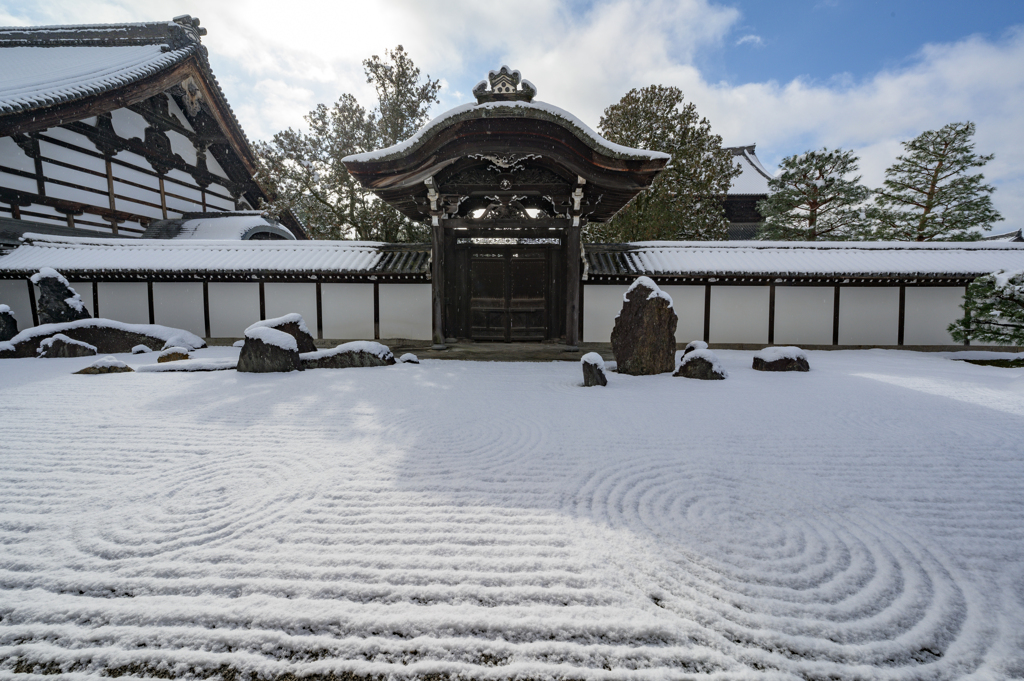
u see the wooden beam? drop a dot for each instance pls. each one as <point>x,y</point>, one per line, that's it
<point>263,302</point>
<point>95,298</point>
<point>206,307</point>
<point>152,308</point>
<point>163,197</point>
<point>376,310</point>
<point>110,195</point>
<point>771,315</point>
<point>707,312</point>
<point>437,286</point>
<point>319,310</point>
<point>835,317</point>
<point>572,287</point>
<point>32,302</point>
<point>903,314</point>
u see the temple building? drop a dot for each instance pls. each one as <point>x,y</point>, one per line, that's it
<point>107,130</point>
<point>749,187</point>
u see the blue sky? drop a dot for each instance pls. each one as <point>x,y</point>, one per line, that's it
<point>788,76</point>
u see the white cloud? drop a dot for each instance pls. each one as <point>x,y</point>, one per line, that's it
<point>275,63</point>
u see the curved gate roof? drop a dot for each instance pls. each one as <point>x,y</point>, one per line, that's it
<point>506,124</point>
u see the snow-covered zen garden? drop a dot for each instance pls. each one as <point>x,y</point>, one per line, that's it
<point>497,520</point>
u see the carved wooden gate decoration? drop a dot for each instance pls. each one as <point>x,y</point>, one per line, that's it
<point>507,186</point>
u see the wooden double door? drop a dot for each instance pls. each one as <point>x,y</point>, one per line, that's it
<point>508,293</point>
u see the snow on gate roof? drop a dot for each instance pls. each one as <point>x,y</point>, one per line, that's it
<point>774,258</point>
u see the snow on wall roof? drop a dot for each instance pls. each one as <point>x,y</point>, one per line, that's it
<point>754,178</point>
<point>540,110</point>
<point>69,254</point>
<point>802,258</point>
<point>33,77</point>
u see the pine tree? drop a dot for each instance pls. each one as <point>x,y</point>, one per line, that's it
<point>993,310</point>
<point>929,193</point>
<point>814,198</point>
<point>304,172</point>
<point>684,202</point>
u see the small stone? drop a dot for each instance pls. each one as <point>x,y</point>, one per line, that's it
<point>8,324</point>
<point>62,346</point>
<point>107,365</point>
<point>702,365</point>
<point>58,302</point>
<point>173,354</point>
<point>409,358</point>
<point>593,370</point>
<point>694,345</point>
<point>782,358</point>
<point>644,336</point>
<point>141,349</point>
<point>268,350</point>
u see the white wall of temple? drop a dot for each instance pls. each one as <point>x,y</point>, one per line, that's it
<point>347,310</point>
<point>282,299</point>
<point>179,305</point>
<point>803,315</point>
<point>14,294</point>
<point>869,315</point>
<point>739,314</point>
<point>124,301</point>
<point>928,313</point>
<point>688,302</point>
<point>405,311</point>
<point>84,290</point>
<point>233,307</point>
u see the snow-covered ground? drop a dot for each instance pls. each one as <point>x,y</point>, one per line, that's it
<point>863,520</point>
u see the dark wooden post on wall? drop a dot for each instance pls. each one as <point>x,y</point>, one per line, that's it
<point>573,254</point>
<point>436,266</point>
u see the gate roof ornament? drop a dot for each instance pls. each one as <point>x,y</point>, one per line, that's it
<point>504,87</point>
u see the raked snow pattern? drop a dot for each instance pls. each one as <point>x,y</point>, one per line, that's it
<point>486,520</point>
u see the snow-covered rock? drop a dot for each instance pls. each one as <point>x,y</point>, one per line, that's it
<point>294,326</point>
<point>62,346</point>
<point>141,349</point>
<point>107,365</point>
<point>593,370</point>
<point>172,354</point>
<point>694,345</point>
<point>8,324</point>
<point>347,355</point>
<point>268,350</point>
<point>409,358</point>
<point>58,302</point>
<point>781,358</point>
<point>108,335</point>
<point>644,336</point>
<point>703,365</point>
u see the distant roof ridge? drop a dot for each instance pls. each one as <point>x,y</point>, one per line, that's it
<point>178,33</point>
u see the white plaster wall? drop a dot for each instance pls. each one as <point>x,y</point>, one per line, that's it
<point>688,302</point>
<point>601,303</point>
<point>282,299</point>
<point>348,310</point>
<point>14,294</point>
<point>405,311</point>
<point>233,307</point>
<point>869,315</point>
<point>179,305</point>
<point>929,310</point>
<point>124,301</point>
<point>84,289</point>
<point>803,315</point>
<point>739,314</point>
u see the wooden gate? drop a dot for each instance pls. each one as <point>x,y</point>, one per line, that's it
<point>507,292</point>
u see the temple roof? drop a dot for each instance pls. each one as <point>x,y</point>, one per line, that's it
<point>507,124</point>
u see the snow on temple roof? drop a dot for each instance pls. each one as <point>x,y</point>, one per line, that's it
<point>721,258</point>
<point>240,225</point>
<point>41,66</point>
<point>70,254</point>
<point>754,178</point>
<point>541,110</point>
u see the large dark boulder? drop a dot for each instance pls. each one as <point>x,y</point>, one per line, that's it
<point>593,370</point>
<point>62,346</point>
<point>293,325</point>
<point>8,324</point>
<point>644,337</point>
<point>108,335</point>
<point>783,358</point>
<point>349,355</point>
<point>268,350</point>
<point>702,365</point>
<point>58,302</point>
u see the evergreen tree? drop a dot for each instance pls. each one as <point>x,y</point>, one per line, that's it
<point>993,310</point>
<point>304,172</point>
<point>684,202</point>
<point>814,198</point>
<point>929,193</point>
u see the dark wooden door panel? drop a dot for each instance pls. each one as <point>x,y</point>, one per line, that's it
<point>488,303</point>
